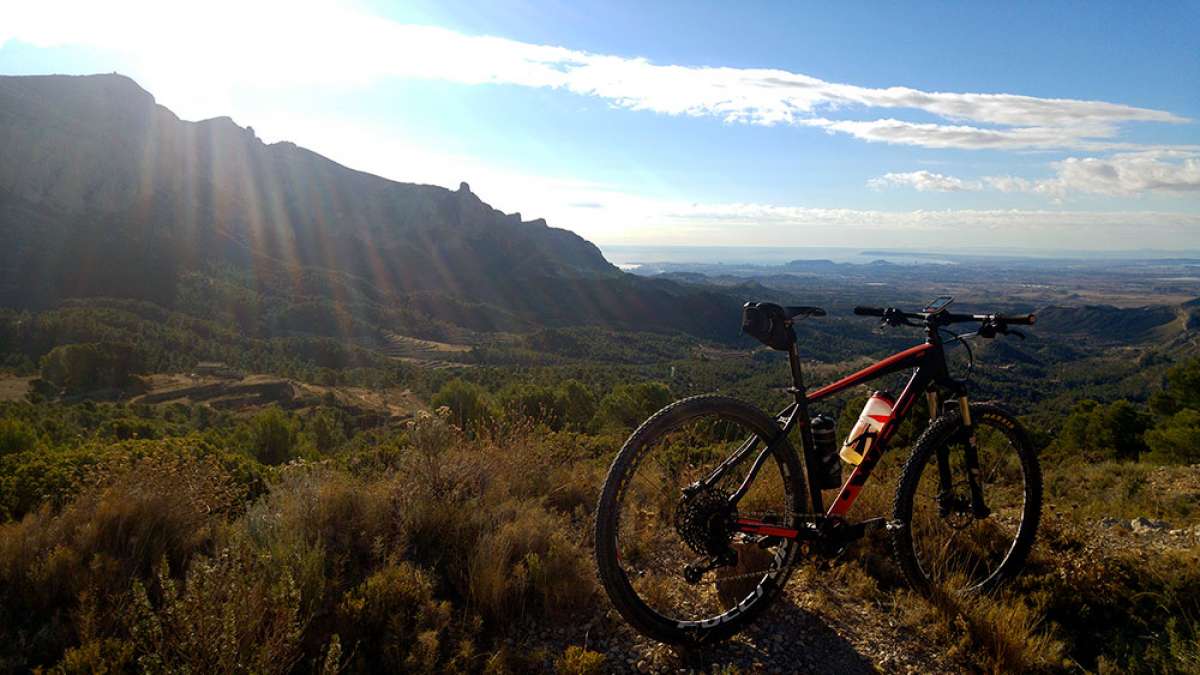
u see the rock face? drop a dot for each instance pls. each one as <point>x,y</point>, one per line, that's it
<point>105,192</point>
<point>98,149</point>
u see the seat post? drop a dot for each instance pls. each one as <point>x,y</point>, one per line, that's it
<point>811,461</point>
<point>797,372</point>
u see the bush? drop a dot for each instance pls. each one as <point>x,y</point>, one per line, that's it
<point>273,437</point>
<point>81,367</point>
<point>576,660</point>
<point>156,508</point>
<point>156,554</point>
<point>1176,440</point>
<point>237,613</point>
<point>29,480</point>
<point>527,566</point>
<point>1096,432</point>
<point>16,436</point>
<point>628,405</point>
<point>531,402</point>
<point>394,622</point>
<point>577,403</point>
<point>1183,385</point>
<point>468,403</point>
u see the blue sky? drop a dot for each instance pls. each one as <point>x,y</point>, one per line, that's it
<point>1053,125</point>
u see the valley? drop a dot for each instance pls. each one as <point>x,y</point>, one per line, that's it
<point>321,421</point>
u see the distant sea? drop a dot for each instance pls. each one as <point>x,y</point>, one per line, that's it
<point>627,256</point>
<point>631,256</point>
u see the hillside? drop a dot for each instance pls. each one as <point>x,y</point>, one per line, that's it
<point>103,192</point>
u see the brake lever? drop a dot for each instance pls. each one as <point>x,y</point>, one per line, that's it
<point>893,318</point>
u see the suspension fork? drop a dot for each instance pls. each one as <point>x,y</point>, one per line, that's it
<point>970,459</point>
<point>978,507</point>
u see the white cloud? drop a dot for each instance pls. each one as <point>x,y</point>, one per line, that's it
<point>923,181</point>
<point>1126,174</point>
<point>270,43</point>
<point>1010,183</point>
<point>1079,136</point>
<point>765,224</point>
<point>610,214</point>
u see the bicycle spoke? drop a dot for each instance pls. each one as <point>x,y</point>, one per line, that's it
<point>950,540</point>
<point>654,552</point>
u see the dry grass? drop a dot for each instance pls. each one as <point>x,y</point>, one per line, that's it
<point>414,564</point>
<point>994,633</point>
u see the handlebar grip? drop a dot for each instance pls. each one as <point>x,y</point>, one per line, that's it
<point>868,311</point>
<point>1022,320</point>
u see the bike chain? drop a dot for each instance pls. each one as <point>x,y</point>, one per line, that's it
<point>769,570</point>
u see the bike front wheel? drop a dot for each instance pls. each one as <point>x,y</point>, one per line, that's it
<point>958,536</point>
<point>657,545</point>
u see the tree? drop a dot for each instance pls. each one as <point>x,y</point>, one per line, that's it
<point>577,403</point>
<point>628,404</point>
<point>1176,440</point>
<point>272,436</point>
<point>1096,432</point>
<point>531,401</point>
<point>467,401</point>
<point>1182,390</point>
<point>16,436</point>
<point>80,367</point>
<point>327,429</point>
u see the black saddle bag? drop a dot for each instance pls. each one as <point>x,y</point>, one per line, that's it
<point>768,324</point>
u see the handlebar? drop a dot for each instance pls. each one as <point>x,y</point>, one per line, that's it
<point>943,318</point>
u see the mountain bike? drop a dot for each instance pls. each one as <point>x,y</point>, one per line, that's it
<point>706,509</point>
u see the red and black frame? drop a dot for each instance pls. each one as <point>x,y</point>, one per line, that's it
<point>929,375</point>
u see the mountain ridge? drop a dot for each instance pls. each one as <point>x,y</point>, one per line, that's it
<point>105,192</point>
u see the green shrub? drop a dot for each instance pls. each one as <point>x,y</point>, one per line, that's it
<point>1096,432</point>
<point>531,402</point>
<point>1176,440</point>
<point>468,403</point>
<point>273,437</point>
<point>628,405</point>
<point>328,429</point>
<point>16,436</point>
<point>577,404</point>
<point>80,367</point>
<point>39,477</point>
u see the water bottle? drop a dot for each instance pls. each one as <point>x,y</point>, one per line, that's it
<point>824,436</point>
<point>874,415</point>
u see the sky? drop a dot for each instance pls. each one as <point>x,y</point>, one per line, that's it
<point>1065,125</point>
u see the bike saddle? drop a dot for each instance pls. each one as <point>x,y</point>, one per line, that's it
<point>803,310</point>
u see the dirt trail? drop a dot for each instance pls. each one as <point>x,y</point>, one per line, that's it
<point>808,630</point>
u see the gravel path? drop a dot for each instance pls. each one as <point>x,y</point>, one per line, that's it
<point>826,631</point>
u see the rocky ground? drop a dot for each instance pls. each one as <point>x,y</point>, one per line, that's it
<point>824,625</point>
<point>809,630</point>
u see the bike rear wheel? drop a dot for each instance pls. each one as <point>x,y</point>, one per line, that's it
<point>648,531</point>
<point>946,538</point>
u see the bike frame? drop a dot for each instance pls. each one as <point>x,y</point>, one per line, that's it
<point>929,361</point>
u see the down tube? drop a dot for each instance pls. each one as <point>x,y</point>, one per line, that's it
<point>858,478</point>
